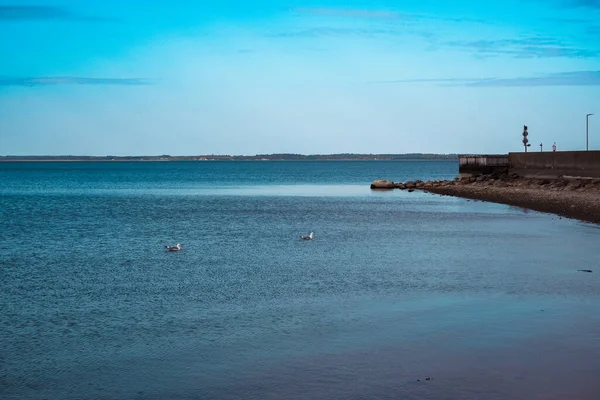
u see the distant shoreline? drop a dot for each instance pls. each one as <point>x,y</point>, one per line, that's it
<point>260,157</point>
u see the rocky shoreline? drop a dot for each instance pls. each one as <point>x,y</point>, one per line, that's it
<point>577,198</point>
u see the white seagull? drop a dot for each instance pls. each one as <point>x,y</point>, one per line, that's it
<point>177,247</point>
<point>309,237</point>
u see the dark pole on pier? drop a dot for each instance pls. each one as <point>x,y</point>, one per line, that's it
<point>541,147</point>
<point>525,140</point>
<point>586,131</point>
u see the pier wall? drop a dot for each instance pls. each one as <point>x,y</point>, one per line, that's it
<point>556,164</point>
<point>475,164</point>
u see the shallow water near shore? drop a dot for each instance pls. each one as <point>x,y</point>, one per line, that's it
<point>484,299</point>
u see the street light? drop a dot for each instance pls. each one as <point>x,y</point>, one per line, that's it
<point>586,131</point>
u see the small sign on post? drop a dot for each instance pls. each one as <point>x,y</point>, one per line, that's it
<point>525,140</point>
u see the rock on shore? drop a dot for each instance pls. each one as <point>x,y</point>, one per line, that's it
<point>381,184</point>
<point>574,198</point>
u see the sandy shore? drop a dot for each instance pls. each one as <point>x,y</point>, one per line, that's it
<point>573,198</point>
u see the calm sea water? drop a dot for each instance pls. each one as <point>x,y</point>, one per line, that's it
<point>483,298</point>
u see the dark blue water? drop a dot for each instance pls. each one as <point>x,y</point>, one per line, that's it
<point>484,298</point>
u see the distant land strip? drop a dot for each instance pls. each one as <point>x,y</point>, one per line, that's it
<point>258,157</point>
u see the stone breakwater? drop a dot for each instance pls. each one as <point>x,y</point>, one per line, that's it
<point>573,198</point>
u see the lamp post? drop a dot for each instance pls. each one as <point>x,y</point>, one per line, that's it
<point>587,116</point>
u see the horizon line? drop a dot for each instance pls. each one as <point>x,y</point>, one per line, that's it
<point>202,157</point>
<point>216,155</point>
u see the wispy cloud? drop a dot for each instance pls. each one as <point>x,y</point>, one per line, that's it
<point>330,31</point>
<point>42,13</point>
<point>532,47</point>
<point>70,80</point>
<point>593,30</point>
<point>575,78</point>
<point>382,14</point>
<point>585,3</point>
<point>402,24</point>
<point>345,12</point>
<point>426,80</point>
<point>564,20</point>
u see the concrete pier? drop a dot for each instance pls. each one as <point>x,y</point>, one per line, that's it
<point>477,164</point>
<point>550,165</point>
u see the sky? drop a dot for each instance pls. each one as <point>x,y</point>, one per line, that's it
<point>177,77</point>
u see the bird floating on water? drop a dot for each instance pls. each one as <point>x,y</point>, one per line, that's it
<point>177,247</point>
<point>309,237</point>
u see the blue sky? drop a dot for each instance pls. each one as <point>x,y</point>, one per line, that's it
<point>297,76</point>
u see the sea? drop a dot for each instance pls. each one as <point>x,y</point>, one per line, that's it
<point>398,296</point>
